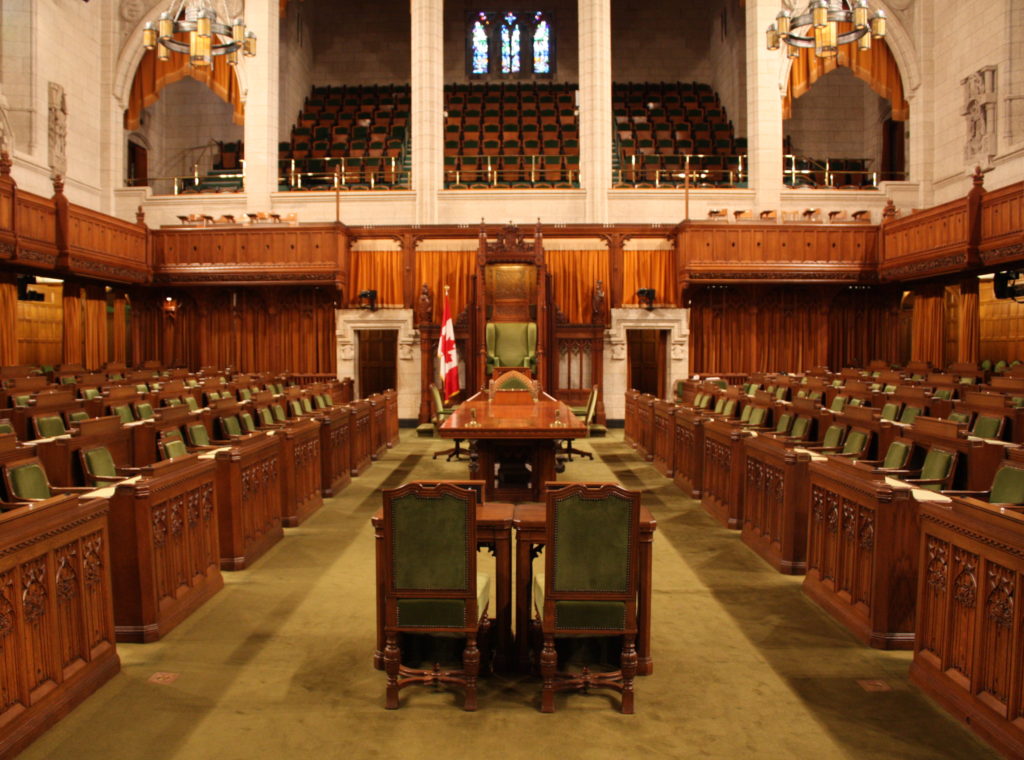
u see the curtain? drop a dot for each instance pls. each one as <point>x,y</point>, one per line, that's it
<point>119,330</point>
<point>875,66</point>
<point>95,323</point>
<point>864,325</point>
<point>153,75</point>
<point>573,277</point>
<point>928,325</point>
<point>649,269</point>
<point>969,325</point>
<point>73,335</point>
<point>451,268</point>
<point>8,319</point>
<point>380,271</point>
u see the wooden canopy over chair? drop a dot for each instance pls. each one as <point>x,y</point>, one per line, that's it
<point>431,585</point>
<point>589,585</point>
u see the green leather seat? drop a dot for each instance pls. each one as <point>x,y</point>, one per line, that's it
<point>890,411</point>
<point>90,393</point>
<point>26,481</point>
<point>144,410</point>
<point>856,443</point>
<point>910,413</point>
<point>511,344</point>
<point>278,412</point>
<point>266,416</point>
<point>295,407</point>
<point>745,414</point>
<point>248,424</point>
<point>174,447</point>
<point>98,466</point>
<point>838,404</point>
<point>897,456</point>
<point>833,438</point>
<point>730,407</point>
<point>6,426</point>
<point>244,394</point>
<point>1007,486</point>
<point>197,434</point>
<point>230,426</point>
<point>123,412</point>
<point>785,423</point>
<point>49,425</point>
<point>78,416</point>
<point>936,471</point>
<point>962,417</point>
<point>944,394</point>
<point>720,405</point>
<point>986,426</point>
<point>307,407</point>
<point>191,403</point>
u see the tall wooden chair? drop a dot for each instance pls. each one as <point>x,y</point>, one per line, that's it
<point>589,584</point>
<point>431,584</point>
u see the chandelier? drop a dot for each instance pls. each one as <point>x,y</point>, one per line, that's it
<point>207,34</point>
<point>819,25</point>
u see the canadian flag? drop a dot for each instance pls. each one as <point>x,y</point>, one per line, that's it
<point>446,352</point>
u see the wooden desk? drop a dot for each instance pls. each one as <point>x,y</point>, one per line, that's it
<point>530,523</point>
<point>493,529</point>
<point>513,445</point>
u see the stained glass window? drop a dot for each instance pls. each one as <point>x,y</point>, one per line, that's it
<point>481,59</point>
<point>541,45</point>
<point>510,43</point>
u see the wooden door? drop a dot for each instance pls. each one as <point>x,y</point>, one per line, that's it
<point>378,355</point>
<point>646,353</point>
<point>138,165</point>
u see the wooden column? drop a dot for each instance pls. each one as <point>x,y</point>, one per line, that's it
<point>968,324</point>
<point>73,336</point>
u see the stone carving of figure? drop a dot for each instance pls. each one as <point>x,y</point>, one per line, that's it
<point>425,307</point>
<point>597,303</point>
<point>58,130</point>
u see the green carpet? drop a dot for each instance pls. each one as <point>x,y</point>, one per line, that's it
<point>278,665</point>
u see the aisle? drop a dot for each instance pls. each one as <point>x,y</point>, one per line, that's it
<point>278,665</point>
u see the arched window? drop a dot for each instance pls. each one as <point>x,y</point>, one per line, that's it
<point>508,43</point>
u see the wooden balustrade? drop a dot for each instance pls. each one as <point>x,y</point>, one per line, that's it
<point>56,614</point>
<point>164,546</point>
<point>248,498</point>
<point>967,652</point>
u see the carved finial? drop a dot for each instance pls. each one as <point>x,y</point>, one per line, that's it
<point>979,177</point>
<point>889,212</point>
<point>140,216</point>
<point>58,184</point>
<point>5,164</point>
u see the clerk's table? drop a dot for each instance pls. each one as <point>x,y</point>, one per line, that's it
<point>514,440</point>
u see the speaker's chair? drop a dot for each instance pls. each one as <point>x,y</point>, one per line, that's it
<point>511,344</point>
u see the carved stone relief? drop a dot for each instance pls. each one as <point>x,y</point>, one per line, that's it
<point>57,128</point>
<point>980,114</point>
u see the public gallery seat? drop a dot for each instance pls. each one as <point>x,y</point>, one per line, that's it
<point>589,584</point>
<point>431,585</point>
<point>511,344</point>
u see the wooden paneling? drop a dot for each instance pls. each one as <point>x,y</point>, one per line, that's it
<point>105,247</point>
<point>1002,225</point>
<point>40,327</point>
<point>36,225</point>
<point>1002,326</point>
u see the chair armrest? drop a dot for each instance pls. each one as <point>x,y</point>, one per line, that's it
<point>923,481</point>
<point>828,449</point>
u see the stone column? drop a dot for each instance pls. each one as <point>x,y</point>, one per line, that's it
<point>764,106</point>
<point>595,106</point>
<point>262,73</point>
<point>427,77</point>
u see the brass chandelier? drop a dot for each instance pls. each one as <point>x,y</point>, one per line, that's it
<point>818,27</point>
<point>208,34</point>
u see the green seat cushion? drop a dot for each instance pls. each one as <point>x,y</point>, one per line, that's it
<point>90,393</point>
<point>944,394</point>
<point>174,448</point>
<point>443,613</point>
<point>757,417</point>
<point>266,418</point>
<point>99,462</point>
<point>279,388</point>
<point>191,403</point>
<point>784,423</point>
<point>833,436</point>
<point>28,481</point>
<point>244,394</point>
<point>78,416</point>
<point>959,417</point>
<point>231,425</point>
<point>889,389</point>
<point>1008,486</point>
<point>123,412</point>
<point>306,405</point>
<point>513,383</point>
<point>890,410</point>
<point>856,402</point>
<point>838,404</point>
<point>142,388</point>
<point>986,426</point>
<point>144,410</point>
<point>936,467</point>
<point>197,435</point>
<point>278,412</point>
<point>594,615</point>
<point>856,442</point>
<point>801,426</point>
<point>720,405</point>
<point>325,399</point>
<point>745,414</point>
<point>598,431</point>
<point>22,399</point>
<point>910,414</point>
<point>295,407</point>
<point>6,427</point>
<point>730,407</point>
<point>897,455</point>
<point>172,401</point>
<point>248,425</point>
<point>50,425</point>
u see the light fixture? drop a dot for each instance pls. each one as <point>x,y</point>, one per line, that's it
<point>646,295</point>
<point>208,33</point>
<point>818,27</point>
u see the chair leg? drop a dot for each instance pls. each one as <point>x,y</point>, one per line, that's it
<point>392,663</point>
<point>471,667</point>
<point>548,666</point>
<point>628,667</point>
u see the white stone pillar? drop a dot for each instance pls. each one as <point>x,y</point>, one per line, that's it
<point>595,101</point>
<point>262,73</point>
<point>427,77</point>
<point>764,106</point>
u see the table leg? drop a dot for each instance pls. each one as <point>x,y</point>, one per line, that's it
<point>378,652</point>
<point>503,600</point>
<point>645,663</point>
<point>524,593</point>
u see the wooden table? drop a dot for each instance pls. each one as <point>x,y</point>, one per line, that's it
<point>513,445</point>
<point>493,529</point>
<point>530,523</point>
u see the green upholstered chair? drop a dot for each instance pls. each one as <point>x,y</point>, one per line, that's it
<point>729,409</point>
<point>266,417</point>
<point>90,393</point>
<point>889,388</point>
<point>440,415</point>
<point>191,403</point>
<point>431,584</point>
<point>909,414</point>
<point>962,417</point>
<point>78,416</point>
<point>307,406</point>
<point>677,391</point>
<point>589,584</point>
<point>943,394</point>
<point>98,467</point>
<point>123,412</point>
<point>278,411</point>
<point>588,420</point>
<point>295,407</point>
<point>48,425</point>
<point>986,365</point>
<point>698,400</point>
<point>25,480</point>
<point>814,395</point>
<point>247,422</point>
<point>144,410</point>
<point>278,388</point>
<point>511,344</point>
<point>856,401</point>
<point>781,393</point>
<point>582,411</point>
<point>172,401</point>
<point>173,447</point>
<point>758,416</point>
<point>1008,486</point>
<point>967,380</point>
<point>21,399</point>
<point>720,405</point>
<point>1000,366</point>
<point>890,411</point>
<point>141,388</point>
<point>833,439</point>
<point>856,444</point>
<point>230,426</point>
<point>838,404</point>
<point>745,414</point>
<point>198,436</point>
<point>802,393</point>
<point>6,426</point>
<point>897,456</point>
<point>937,470</point>
<point>784,424</point>
<point>244,394</point>
<point>325,400</point>
<point>987,426</point>
<point>318,401</point>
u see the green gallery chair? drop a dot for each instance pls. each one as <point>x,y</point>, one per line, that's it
<point>431,585</point>
<point>98,467</point>
<point>936,473</point>
<point>832,441</point>
<point>589,585</point>
<point>987,426</point>
<point>511,344</point>
<point>897,456</point>
<point>25,481</point>
<point>48,425</point>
